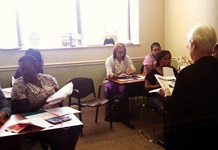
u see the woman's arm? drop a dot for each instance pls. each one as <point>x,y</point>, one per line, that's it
<point>130,67</point>
<point>149,86</point>
<point>23,105</point>
<point>5,110</point>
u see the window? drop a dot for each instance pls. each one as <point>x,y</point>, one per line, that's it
<point>65,23</point>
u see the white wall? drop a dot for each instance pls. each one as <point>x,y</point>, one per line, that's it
<point>165,21</point>
<point>181,15</point>
<point>151,28</point>
<point>151,24</point>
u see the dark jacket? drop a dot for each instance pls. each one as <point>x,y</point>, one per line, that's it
<point>192,108</point>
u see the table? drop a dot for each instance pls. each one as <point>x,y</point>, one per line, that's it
<point>133,87</point>
<point>7,92</point>
<point>74,126</point>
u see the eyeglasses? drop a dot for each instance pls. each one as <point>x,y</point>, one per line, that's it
<point>188,45</point>
<point>156,50</point>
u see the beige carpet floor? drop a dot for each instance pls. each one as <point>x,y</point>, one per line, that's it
<point>99,136</point>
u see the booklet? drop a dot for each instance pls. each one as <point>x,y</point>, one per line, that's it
<point>166,81</point>
<point>61,94</point>
<point>43,118</point>
<point>22,124</point>
<point>16,128</point>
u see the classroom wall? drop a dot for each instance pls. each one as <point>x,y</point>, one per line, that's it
<point>89,61</point>
<point>181,15</point>
<point>165,21</point>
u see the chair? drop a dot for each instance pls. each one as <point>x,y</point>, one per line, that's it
<point>142,69</point>
<point>84,89</point>
<point>146,106</point>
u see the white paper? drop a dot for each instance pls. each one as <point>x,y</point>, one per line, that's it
<point>165,81</point>
<point>155,90</point>
<point>168,71</point>
<point>7,89</point>
<point>122,75</point>
<point>43,115</point>
<point>60,111</point>
<point>37,121</point>
<point>12,80</point>
<point>61,94</point>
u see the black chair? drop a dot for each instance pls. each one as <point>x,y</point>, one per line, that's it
<point>84,89</point>
<point>142,69</point>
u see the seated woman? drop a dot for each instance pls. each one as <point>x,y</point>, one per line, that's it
<point>29,94</point>
<point>31,91</point>
<point>149,61</point>
<point>163,59</point>
<point>38,57</point>
<point>117,65</point>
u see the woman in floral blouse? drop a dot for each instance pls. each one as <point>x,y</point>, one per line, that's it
<point>29,94</point>
<point>31,91</point>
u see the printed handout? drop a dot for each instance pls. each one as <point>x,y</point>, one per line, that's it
<point>61,94</point>
<point>166,81</point>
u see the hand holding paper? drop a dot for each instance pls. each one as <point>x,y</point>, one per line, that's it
<point>61,94</point>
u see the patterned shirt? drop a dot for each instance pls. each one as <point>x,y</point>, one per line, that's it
<point>25,90</point>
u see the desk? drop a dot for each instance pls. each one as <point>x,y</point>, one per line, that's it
<point>7,92</point>
<point>133,87</point>
<point>74,125</point>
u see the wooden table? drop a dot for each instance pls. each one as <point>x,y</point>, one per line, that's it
<point>74,125</point>
<point>133,87</point>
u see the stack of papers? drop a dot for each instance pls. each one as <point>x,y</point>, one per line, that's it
<point>39,118</point>
<point>166,81</point>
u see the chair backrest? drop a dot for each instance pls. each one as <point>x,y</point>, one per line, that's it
<point>84,85</point>
<point>142,69</point>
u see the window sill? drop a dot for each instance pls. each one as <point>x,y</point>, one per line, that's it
<point>83,47</point>
<point>65,48</point>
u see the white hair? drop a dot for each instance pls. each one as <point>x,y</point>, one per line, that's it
<point>205,37</point>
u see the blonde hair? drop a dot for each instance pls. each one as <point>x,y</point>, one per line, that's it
<point>116,48</point>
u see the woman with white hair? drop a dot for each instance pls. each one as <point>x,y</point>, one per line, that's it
<point>192,106</point>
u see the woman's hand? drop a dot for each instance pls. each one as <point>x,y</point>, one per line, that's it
<point>161,92</point>
<point>128,71</point>
<point>2,117</point>
<point>113,76</point>
<point>164,92</point>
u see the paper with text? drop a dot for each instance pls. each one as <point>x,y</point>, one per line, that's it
<point>166,81</point>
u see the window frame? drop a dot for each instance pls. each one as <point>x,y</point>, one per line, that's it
<point>79,29</point>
